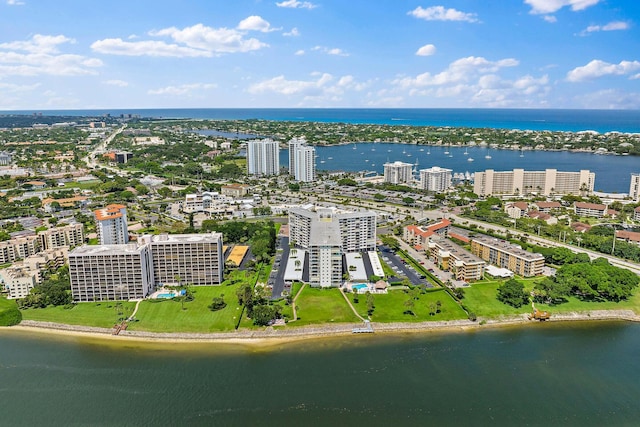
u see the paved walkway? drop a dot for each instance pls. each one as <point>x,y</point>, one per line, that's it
<point>351,305</point>
<point>135,310</point>
<point>293,304</point>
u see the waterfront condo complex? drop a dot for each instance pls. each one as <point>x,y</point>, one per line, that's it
<point>118,272</point>
<point>328,234</point>
<point>263,157</point>
<point>547,182</point>
<point>398,172</point>
<point>634,187</point>
<point>506,255</point>
<point>435,179</point>
<point>302,160</point>
<point>111,225</point>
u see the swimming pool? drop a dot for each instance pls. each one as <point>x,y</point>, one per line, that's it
<point>360,286</point>
<point>165,296</point>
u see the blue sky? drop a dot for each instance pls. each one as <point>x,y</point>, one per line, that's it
<point>71,54</point>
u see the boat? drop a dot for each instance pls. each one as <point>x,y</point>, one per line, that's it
<point>329,158</point>
<point>422,149</point>
<point>354,146</point>
<point>488,156</point>
<point>428,152</point>
<point>466,153</point>
<point>373,149</point>
<point>521,153</point>
<point>469,159</point>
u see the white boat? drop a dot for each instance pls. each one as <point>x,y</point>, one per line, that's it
<point>422,149</point>
<point>469,159</point>
<point>466,153</point>
<point>329,158</point>
<point>428,152</point>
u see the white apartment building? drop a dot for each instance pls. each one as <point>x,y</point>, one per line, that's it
<point>305,164</point>
<point>294,144</point>
<point>634,187</point>
<point>69,235</point>
<point>18,281</point>
<point>5,158</point>
<point>328,233</point>
<point>110,272</point>
<point>111,225</point>
<point>263,157</point>
<point>186,258</point>
<point>435,179</point>
<point>398,172</point>
<point>547,182</point>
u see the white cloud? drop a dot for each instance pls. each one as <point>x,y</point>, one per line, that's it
<point>293,33</point>
<point>550,19</point>
<point>598,68</point>
<point>295,4</point>
<point>185,89</point>
<point>426,50</point>
<point>440,13</point>
<point>41,55</point>
<point>330,51</point>
<point>299,52</point>
<point>461,70</point>
<point>539,7</point>
<point>611,26</point>
<point>145,48</point>
<point>475,80</point>
<point>195,41</point>
<point>13,88</point>
<point>15,3</point>
<point>256,23</point>
<point>612,99</point>
<point>321,88</point>
<point>119,83</point>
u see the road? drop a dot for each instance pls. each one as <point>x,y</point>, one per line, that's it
<point>91,158</point>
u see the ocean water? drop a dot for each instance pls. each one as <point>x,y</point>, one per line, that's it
<point>582,374</point>
<point>524,119</point>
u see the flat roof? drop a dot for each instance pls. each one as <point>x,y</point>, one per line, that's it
<point>130,248</point>
<point>510,248</point>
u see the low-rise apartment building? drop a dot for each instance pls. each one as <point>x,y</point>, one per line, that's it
<point>67,236</point>
<point>505,255</point>
<point>451,257</point>
<point>418,236</point>
<point>594,210</point>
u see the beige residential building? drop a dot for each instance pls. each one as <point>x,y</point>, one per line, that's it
<point>194,259</point>
<point>18,248</point>
<point>435,179</point>
<point>634,187</point>
<point>519,181</point>
<point>18,280</point>
<point>235,190</point>
<point>70,235</point>
<point>451,257</point>
<point>505,255</point>
<point>594,210</point>
<point>110,272</point>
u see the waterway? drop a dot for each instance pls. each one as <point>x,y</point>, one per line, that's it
<point>613,173</point>
<point>582,374</point>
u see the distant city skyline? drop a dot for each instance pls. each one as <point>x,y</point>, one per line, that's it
<point>319,53</point>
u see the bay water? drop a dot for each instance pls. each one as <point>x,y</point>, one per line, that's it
<point>566,374</point>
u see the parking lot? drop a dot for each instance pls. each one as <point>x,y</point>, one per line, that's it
<point>402,269</point>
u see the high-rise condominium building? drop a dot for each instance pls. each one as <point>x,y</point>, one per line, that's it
<point>263,157</point>
<point>111,225</point>
<point>398,172</point>
<point>634,187</point>
<point>186,258</point>
<point>435,179</point>
<point>547,182</point>
<point>328,233</point>
<point>302,160</point>
<point>305,164</point>
<point>110,272</point>
<point>117,272</point>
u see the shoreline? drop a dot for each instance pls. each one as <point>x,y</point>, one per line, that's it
<point>275,336</point>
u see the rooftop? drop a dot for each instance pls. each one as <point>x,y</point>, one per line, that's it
<point>508,247</point>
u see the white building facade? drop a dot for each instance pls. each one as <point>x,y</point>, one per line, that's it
<point>634,187</point>
<point>111,225</point>
<point>263,157</point>
<point>398,172</point>
<point>435,179</point>
<point>305,164</point>
<point>547,182</point>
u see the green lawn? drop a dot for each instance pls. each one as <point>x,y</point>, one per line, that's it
<point>9,313</point>
<point>168,315</point>
<point>101,314</point>
<point>322,306</point>
<point>481,299</point>
<point>390,307</point>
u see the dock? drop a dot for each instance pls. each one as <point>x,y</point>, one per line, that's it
<point>367,329</point>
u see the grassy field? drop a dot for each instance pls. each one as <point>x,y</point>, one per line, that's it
<point>481,299</point>
<point>322,306</point>
<point>168,315</point>
<point>390,307</point>
<point>9,313</point>
<point>101,314</point>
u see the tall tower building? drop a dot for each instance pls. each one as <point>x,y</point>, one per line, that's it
<point>294,144</point>
<point>435,179</point>
<point>634,188</point>
<point>111,225</point>
<point>263,157</point>
<point>398,172</point>
<point>305,164</point>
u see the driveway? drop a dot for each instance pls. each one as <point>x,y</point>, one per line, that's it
<point>401,269</point>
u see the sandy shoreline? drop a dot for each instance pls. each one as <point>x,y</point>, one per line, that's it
<point>277,336</point>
